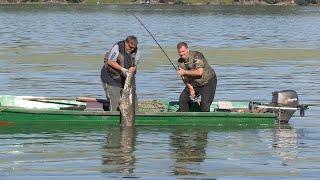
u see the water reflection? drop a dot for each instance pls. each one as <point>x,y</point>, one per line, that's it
<point>286,143</point>
<point>118,153</point>
<point>190,150</point>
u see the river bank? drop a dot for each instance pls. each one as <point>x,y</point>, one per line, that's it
<point>171,2</point>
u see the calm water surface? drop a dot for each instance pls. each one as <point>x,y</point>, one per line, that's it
<point>54,50</point>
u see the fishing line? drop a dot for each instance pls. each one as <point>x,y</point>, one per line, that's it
<point>183,79</point>
<point>155,41</point>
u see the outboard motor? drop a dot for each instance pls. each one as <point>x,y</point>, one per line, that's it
<point>284,104</point>
<point>285,98</point>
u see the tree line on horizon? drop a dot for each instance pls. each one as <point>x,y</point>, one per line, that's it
<point>190,2</point>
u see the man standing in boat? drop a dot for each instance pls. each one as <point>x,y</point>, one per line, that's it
<point>199,77</point>
<point>122,58</point>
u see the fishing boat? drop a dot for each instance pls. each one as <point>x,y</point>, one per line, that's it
<point>82,110</point>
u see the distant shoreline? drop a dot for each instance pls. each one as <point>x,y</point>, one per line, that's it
<point>172,2</point>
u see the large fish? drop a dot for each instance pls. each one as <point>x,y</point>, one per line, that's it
<point>128,101</point>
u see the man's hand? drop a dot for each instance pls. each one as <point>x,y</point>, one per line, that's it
<point>181,72</point>
<point>133,69</point>
<point>124,71</point>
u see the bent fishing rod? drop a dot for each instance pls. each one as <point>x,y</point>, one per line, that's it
<point>155,41</point>
<point>183,79</point>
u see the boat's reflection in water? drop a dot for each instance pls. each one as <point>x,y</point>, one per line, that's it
<point>188,146</point>
<point>189,150</point>
<point>182,151</point>
<point>286,142</point>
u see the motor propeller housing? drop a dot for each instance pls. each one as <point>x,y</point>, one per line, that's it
<point>285,98</point>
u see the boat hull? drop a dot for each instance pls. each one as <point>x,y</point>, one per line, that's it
<point>10,115</point>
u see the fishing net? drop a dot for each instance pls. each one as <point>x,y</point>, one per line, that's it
<point>151,106</point>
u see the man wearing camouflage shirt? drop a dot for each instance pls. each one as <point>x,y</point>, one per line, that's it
<point>198,76</point>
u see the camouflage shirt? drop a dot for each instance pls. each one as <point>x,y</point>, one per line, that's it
<point>196,60</point>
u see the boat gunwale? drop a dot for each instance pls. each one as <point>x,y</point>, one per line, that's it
<point>154,114</point>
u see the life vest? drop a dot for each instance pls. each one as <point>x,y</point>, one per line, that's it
<point>124,59</point>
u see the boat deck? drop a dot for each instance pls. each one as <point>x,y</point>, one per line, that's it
<point>154,112</point>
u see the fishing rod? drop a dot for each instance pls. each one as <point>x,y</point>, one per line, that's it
<point>183,79</point>
<point>155,41</point>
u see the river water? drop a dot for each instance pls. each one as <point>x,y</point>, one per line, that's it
<point>57,50</point>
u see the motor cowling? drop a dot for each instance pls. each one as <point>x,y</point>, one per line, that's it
<point>285,98</point>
